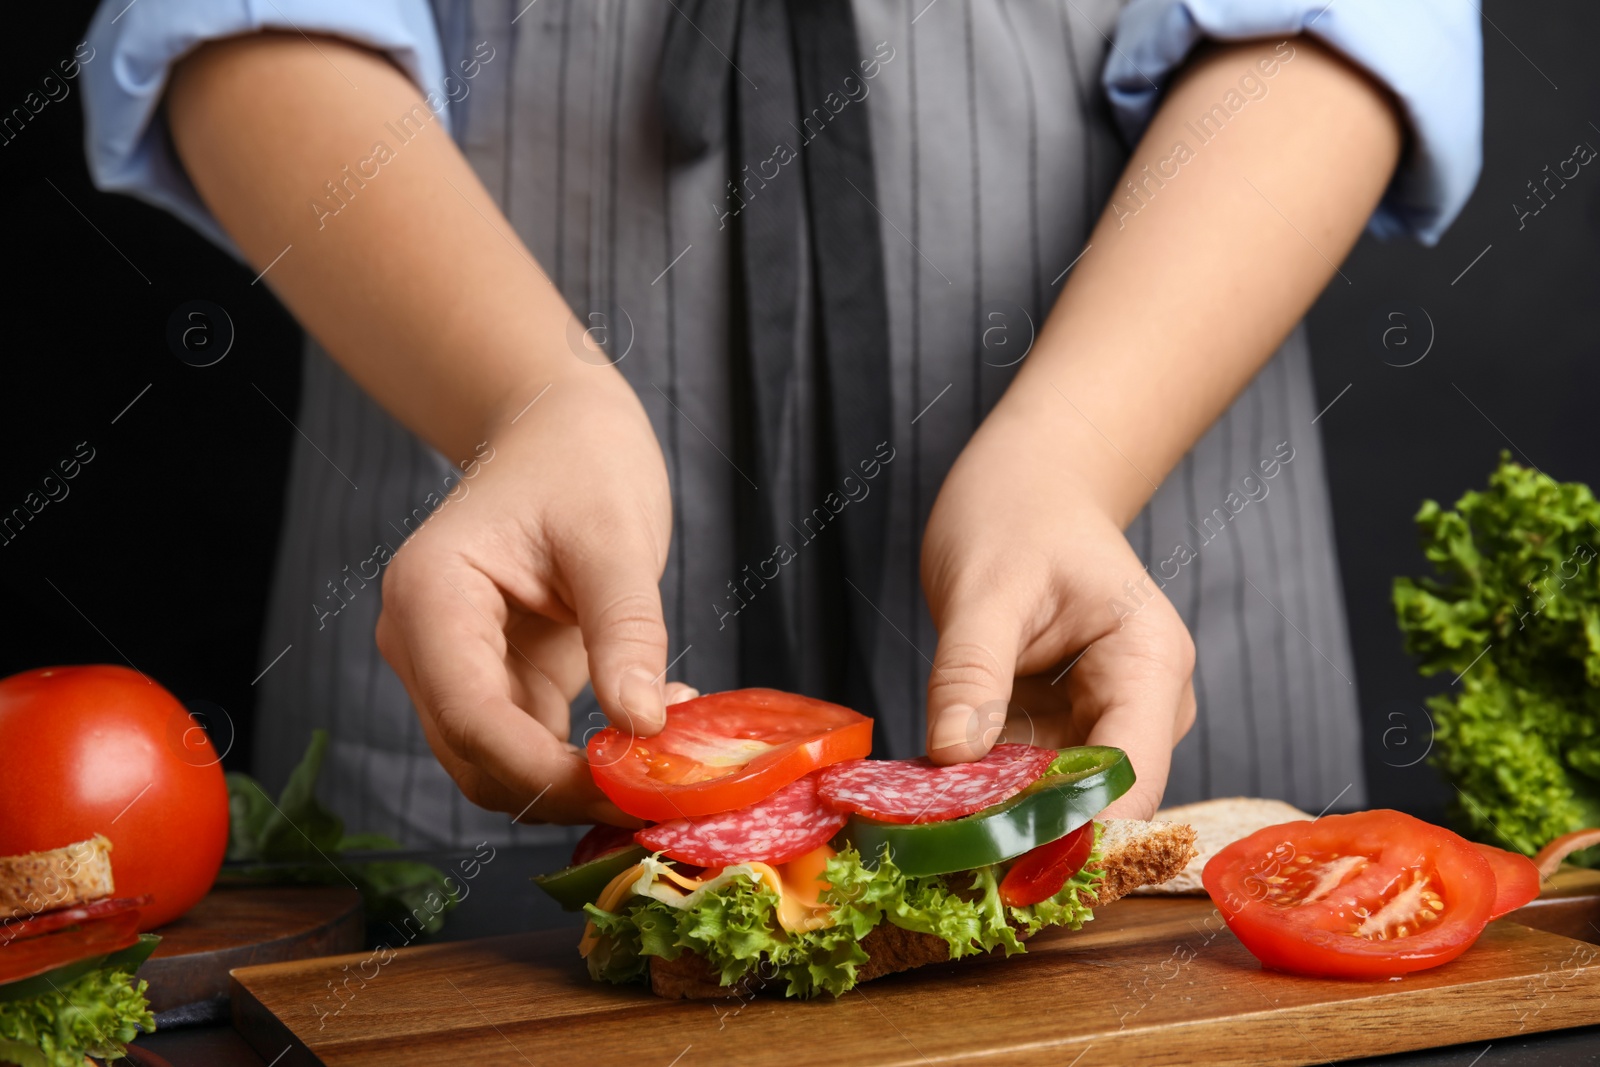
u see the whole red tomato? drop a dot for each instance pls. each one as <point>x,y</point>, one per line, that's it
<point>104,750</point>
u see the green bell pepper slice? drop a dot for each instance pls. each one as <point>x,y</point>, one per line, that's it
<point>573,887</point>
<point>1074,789</point>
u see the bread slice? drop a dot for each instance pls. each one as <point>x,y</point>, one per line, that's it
<point>1218,824</point>
<point>60,878</point>
<point>1133,853</point>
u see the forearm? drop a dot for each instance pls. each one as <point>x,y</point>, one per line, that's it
<point>417,285</point>
<point>1191,285</point>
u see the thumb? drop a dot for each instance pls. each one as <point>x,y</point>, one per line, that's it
<point>619,612</point>
<point>970,684</point>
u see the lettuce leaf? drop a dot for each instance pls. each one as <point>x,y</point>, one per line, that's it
<point>1512,613</point>
<point>96,1015</point>
<point>735,928</point>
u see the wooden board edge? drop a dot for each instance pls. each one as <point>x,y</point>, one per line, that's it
<point>1486,1008</point>
<point>1276,1044</point>
<point>1457,1017</point>
<point>263,1031</point>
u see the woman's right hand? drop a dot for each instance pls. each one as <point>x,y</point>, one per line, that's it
<point>542,576</point>
<point>541,572</point>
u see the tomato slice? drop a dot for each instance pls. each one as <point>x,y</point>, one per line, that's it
<point>1516,879</point>
<point>50,921</point>
<point>1040,874</point>
<point>601,840</point>
<point>1370,895</point>
<point>97,937</point>
<point>724,751</point>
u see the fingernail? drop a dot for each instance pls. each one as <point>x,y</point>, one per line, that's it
<point>641,697</point>
<point>953,729</point>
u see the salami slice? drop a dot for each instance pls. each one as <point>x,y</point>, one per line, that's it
<point>784,826</point>
<point>918,790</point>
<point>17,928</point>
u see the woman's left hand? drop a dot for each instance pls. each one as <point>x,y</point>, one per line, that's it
<point>1050,631</point>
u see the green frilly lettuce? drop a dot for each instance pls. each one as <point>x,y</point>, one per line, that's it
<point>736,931</point>
<point>1513,613</point>
<point>95,1015</point>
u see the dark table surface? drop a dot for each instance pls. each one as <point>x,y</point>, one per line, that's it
<point>501,901</point>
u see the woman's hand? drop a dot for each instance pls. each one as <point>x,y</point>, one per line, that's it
<point>542,577</point>
<point>1185,289</point>
<point>1050,631</point>
<point>542,572</point>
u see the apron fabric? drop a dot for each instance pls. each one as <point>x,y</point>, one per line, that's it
<point>994,151</point>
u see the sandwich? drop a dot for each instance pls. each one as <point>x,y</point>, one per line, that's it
<point>68,952</point>
<point>779,859</point>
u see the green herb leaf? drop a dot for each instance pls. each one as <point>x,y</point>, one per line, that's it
<point>297,841</point>
<point>300,826</point>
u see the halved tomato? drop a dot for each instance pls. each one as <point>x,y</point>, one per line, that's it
<point>1370,895</point>
<point>724,751</point>
<point>97,937</point>
<point>16,929</point>
<point>1516,879</point>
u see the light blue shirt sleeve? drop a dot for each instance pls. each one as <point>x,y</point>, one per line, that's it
<point>1429,53</point>
<point>125,131</point>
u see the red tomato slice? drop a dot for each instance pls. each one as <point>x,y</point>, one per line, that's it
<point>97,937</point>
<point>1370,895</point>
<point>1516,879</point>
<point>724,751</point>
<point>599,841</point>
<point>1039,874</point>
<point>16,929</point>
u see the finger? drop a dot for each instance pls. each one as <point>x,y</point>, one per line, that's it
<point>441,628</point>
<point>678,692</point>
<point>1150,755</point>
<point>571,797</point>
<point>618,604</point>
<point>1188,710</point>
<point>548,664</point>
<point>970,684</point>
<point>1145,720</point>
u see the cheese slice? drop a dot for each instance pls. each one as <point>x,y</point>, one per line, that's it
<point>800,907</point>
<point>611,897</point>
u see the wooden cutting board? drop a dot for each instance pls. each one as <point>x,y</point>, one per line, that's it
<point>1149,981</point>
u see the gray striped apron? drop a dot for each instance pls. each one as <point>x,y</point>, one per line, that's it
<point>994,150</point>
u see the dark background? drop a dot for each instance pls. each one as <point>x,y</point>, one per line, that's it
<point>161,553</point>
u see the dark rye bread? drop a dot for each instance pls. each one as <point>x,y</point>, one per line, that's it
<point>1134,853</point>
